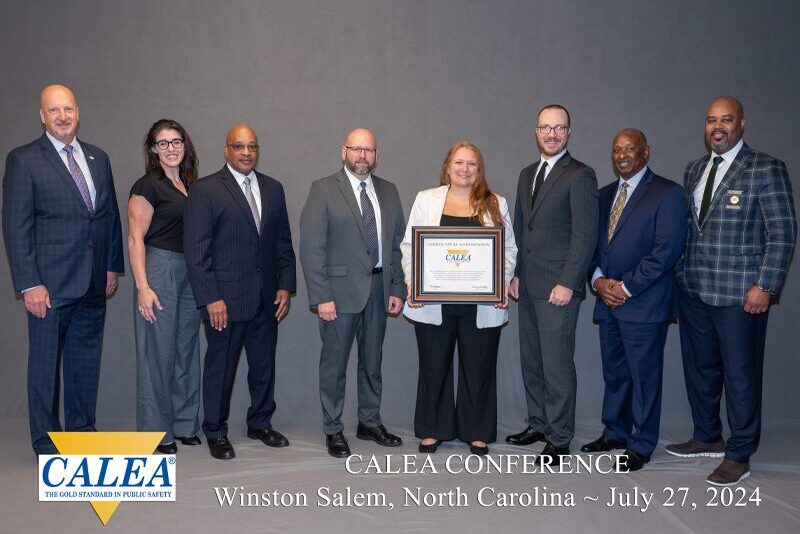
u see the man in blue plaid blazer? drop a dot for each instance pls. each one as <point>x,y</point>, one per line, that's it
<point>64,243</point>
<point>740,238</point>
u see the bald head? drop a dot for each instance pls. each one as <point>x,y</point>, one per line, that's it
<point>724,124</point>
<point>360,153</point>
<point>241,148</point>
<point>629,152</point>
<point>58,112</point>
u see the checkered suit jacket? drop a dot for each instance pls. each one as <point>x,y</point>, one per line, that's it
<point>50,236</point>
<point>748,235</point>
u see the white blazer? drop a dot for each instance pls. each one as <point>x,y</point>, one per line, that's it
<point>427,211</point>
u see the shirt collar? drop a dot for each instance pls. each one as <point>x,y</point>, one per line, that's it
<point>552,160</point>
<point>240,177</point>
<point>59,146</point>
<point>731,154</point>
<point>634,180</point>
<point>355,183</point>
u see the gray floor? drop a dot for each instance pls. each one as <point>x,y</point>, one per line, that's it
<point>304,467</point>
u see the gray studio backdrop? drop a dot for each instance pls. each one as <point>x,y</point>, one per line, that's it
<point>421,75</point>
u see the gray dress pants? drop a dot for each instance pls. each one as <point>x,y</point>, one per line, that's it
<point>168,351</point>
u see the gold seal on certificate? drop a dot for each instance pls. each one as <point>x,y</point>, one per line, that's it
<point>457,264</point>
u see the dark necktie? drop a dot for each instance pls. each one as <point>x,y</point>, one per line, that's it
<point>709,190</point>
<point>368,221</point>
<point>538,182</point>
<point>78,178</point>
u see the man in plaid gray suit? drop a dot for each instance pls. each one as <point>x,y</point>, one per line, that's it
<point>740,238</point>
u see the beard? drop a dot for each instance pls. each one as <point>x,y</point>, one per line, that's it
<point>359,167</point>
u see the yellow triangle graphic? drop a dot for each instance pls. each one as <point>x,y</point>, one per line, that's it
<point>106,443</point>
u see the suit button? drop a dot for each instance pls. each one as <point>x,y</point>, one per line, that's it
<point>700,234</point>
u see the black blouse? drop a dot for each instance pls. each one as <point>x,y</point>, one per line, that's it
<point>166,228</point>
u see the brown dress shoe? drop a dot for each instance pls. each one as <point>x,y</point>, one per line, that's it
<point>694,449</point>
<point>729,473</point>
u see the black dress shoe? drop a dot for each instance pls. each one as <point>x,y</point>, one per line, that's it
<point>379,435</point>
<point>167,448</point>
<point>526,437</point>
<point>269,436</point>
<point>429,448</point>
<point>337,445</point>
<point>603,444</point>
<point>551,455</point>
<point>189,440</point>
<point>478,449</point>
<point>221,448</point>
<point>635,461</point>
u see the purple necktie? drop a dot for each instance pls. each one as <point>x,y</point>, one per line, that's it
<point>77,176</point>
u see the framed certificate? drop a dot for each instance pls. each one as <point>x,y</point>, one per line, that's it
<point>458,264</point>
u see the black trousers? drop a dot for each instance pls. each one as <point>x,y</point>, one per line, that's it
<point>473,416</point>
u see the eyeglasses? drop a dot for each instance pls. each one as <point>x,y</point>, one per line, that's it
<point>366,151</point>
<point>238,147</point>
<point>165,143</point>
<point>546,129</point>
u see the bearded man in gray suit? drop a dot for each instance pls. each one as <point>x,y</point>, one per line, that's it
<point>350,233</point>
<point>555,224</point>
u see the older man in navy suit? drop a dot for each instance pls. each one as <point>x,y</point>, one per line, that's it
<point>740,239</point>
<point>641,237</point>
<point>63,240</point>
<point>241,266</point>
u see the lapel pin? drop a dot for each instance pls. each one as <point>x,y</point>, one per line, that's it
<point>91,157</point>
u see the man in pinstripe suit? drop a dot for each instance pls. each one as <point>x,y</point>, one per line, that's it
<point>241,266</point>
<point>64,243</point>
<point>740,238</point>
<point>555,225</point>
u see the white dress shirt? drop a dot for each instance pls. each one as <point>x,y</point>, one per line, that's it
<point>551,162</point>
<point>722,169</point>
<point>80,159</point>
<point>253,185</point>
<point>355,183</point>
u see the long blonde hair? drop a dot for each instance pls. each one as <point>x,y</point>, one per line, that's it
<point>482,198</point>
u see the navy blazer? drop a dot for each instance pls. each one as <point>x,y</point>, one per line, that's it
<point>226,257</point>
<point>50,236</point>
<point>646,244</point>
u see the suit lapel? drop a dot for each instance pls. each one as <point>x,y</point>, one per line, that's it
<point>630,206</point>
<point>94,170</point>
<point>691,184</point>
<point>349,196</point>
<point>51,155</point>
<point>238,196</point>
<point>383,201</point>
<point>266,205</point>
<point>551,180</point>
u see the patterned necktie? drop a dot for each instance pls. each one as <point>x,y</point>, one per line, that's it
<point>616,211</point>
<point>709,190</point>
<point>251,200</point>
<point>537,183</point>
<point>78,178</point>
<point>368,222</point>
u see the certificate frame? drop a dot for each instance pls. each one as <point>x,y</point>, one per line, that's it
<point>435,274</point>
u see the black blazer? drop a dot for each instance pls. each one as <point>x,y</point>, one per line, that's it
<point>226,258</point>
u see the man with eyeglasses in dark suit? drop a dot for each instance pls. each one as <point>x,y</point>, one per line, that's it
<point>241,265</point>
<point>350,233</point>
<point>555,224</point>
